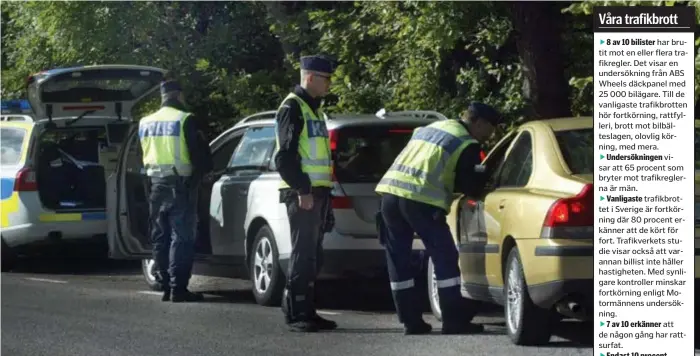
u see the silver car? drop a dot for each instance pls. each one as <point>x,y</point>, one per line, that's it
<point>244,229</point>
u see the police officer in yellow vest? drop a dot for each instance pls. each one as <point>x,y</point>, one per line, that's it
<point>303,160</point>
<point>417,192</point>
<point>175,158</point>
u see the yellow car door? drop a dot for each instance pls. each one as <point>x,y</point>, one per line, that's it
<point>478,228</point>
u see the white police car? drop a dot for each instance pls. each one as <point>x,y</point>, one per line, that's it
<point>56,159</point>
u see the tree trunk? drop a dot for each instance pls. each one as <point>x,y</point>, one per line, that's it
<point>538,28</point>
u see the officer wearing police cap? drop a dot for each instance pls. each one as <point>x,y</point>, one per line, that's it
<point>303,160</point>
<point>175,158</point>
<point>415,200</point>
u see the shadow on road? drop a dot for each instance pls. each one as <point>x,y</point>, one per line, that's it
<point>74,260</point>
<point>242,296</point>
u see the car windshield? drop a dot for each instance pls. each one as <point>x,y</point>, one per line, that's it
<point>364,154</point>
<point>577,148</point>
<point>11,140</point>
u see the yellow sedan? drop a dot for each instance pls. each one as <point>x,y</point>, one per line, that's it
<point>527,243</point>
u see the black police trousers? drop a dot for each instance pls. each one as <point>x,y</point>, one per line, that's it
<point>306,259</point>
<point>173,222</point>
<point>402,218</point>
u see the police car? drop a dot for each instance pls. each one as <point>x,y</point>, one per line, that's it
<point>59,147</point>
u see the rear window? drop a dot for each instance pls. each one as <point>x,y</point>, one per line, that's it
<point>364,154</point>
<point>577,148</point>
<point>11,140</point>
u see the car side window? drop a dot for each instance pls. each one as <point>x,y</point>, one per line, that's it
<point>222,156</point>
<point>495,160</point>
<point>518,165</point>
<point>256,148</point>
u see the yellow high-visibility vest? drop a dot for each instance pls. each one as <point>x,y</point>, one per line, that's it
<point>314,146</point>
<point>425,170</point>
<point>165,151</point>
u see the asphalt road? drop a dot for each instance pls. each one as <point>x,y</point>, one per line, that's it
<point>60,306</point>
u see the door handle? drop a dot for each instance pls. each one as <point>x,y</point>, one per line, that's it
<point>502,204</point>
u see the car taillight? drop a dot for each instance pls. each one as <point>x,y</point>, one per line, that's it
<point>337,202</point>
<point>576,211</point>
<point>333,145</point>
<point>25,180</point>
<point>341,203</point>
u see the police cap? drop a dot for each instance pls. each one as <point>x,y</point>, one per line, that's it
<point>483,111</point>
<point>318,63</point>
<point>169,86</point>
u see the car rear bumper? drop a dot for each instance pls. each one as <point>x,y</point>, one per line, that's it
<point>51,232</point>
<point>549,260</point>
<point>337,241</point>
<point>558,271</point>
<point>368,264</point>
<point>564,292</point>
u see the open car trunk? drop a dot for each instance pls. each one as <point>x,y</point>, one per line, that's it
<point>84,113</point>
<point>362,155</point>
<point>72,165</point>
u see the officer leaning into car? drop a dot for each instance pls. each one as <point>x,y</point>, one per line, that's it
<point>417,193</point>
<point>303,160</point>
<point>175,158</point>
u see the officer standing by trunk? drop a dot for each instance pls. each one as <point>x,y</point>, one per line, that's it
<point>417,193</point>
<point>175,158</point>
<point>303,160</point>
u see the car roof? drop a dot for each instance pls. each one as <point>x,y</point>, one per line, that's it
<point>561,124</point>
<point>335,120</point>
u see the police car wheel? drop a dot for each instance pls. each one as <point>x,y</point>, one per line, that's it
<point>433,291</point>
<point>265,271</point>
<point>148,269</point>
<point>526,323</point>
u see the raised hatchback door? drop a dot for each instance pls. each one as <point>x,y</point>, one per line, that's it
<point>102,90</point>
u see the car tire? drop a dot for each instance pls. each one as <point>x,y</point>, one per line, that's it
<point>526,323</point>
<point>148,269</point>
<point>9,258</point>
<point>433,291</point>
<point>265,271</point>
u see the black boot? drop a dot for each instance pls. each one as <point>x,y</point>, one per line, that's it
<point>457,313</point>
<point>296,314</point>
<point>419,328</point>
<point>408,308</point>
<point>166,295</point>
<point>185,296</point>
<point>322,323</point>
<point>303,326</point>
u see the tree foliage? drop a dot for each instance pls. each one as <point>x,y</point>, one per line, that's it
<point>237,58</point>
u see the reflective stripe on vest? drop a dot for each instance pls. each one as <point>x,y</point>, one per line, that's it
<point>425,170</point>
<point>314,146</point>
<point>165,151</point>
